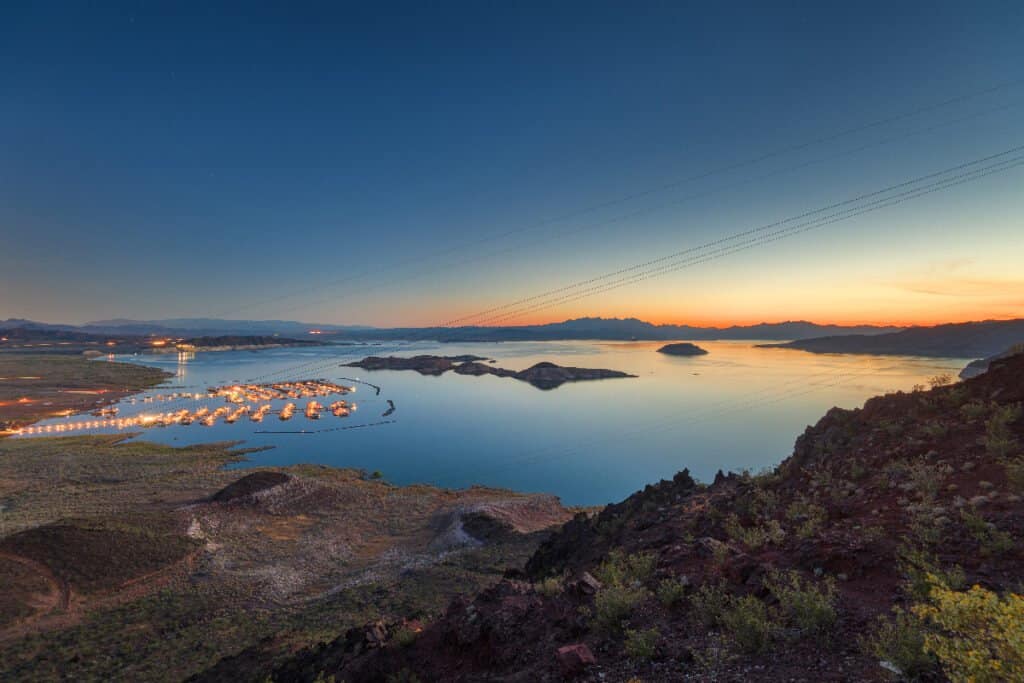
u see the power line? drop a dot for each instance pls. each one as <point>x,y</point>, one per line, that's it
<point>670,263</point>
<point>651,209</point>
<point>723,168</point>
<point>881,203</point>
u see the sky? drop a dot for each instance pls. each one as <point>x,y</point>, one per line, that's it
<point>416,163</point>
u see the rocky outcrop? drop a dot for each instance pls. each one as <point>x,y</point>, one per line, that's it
<point>980,366</point>
<point>682,349</point>
<point>542,375</point>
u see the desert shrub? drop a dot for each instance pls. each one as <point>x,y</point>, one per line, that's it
<point>404,636</point>
<point>892,427</point>
<point>807,605</point>
<point>403,676</point>
<point>708,604</point>
<point>1015,474</point>
<point>955,396</point>
<point>941,380</point>
<point>620,569</point>
<point>549,587</point>
<point>920,570</point>
<point>999,440</point>
<point>746,622</point>
<point>754,536</point>
<point>613,604</point>
<point>857,470</point>
<point>809,517</point>
<point>976,635</point>
<point>925,527</point>
<point>991,540</point>
<point>900,642</point>
<point>671,592</point>
<point>713,660</point>
<point>973,410</point>
<point>643,644</point>
<point>935,430</point>
<point>925,479</point>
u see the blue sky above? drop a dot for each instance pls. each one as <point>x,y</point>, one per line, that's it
<point>173,159</point>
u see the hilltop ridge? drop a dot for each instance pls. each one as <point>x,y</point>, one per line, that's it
<point>789,575</point>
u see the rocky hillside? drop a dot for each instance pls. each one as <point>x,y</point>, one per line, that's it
<point>854,560</point>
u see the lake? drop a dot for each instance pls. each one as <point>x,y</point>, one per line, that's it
<point>739,407</point>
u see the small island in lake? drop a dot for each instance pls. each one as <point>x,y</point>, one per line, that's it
<point>682,349</point>
<point>541,375</point>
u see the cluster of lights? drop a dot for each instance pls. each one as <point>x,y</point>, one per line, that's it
<point>237,397</point>
<point>252,393</point>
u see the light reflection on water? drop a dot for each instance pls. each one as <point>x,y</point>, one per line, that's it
<point>588,442</point>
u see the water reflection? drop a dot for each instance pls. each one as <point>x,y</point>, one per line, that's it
<point>589,442</point>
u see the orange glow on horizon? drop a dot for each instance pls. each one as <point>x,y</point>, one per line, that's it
<point>709,321</point>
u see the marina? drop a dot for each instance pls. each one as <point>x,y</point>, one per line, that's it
<point>240,400</point>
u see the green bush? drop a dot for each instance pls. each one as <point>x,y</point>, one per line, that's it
<point>999,440</point>
<point>613,604</point>
<point>1015,474</point>
<point>747,623</point>
<point>807,605</point>
<point>809,517</point>
<point>973,410</point>
<point>549,587</point>
<point>925,479</point>
<point>708,604</point>
<point>404,636</point>
<point>900,642</point>
<point>919,569</point>
<point>755,536</point>
<point>991,540</point>
<point>620,569</point>
<point>671,592</point>
<point>642,645</point>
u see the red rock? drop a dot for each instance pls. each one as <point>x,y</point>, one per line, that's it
<point>573,659</point>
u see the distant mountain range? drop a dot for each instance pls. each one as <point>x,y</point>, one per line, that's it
<point>178,327</point>
<point>613,329</point>
<point>954,340</point>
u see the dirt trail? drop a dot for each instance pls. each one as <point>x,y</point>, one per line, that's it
<point>59,596</point>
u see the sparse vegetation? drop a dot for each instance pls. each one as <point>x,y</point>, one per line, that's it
<point>621,569</point>
<point>809,517</point>
<point>671,592</point>
<point>806,605</point>
<point>404,636</point>
<point>974,410</point>
<point>999,439</point>
<point>900,642</point>
<point>920,570</point>
<point>990,539</point>
<point>549,587</point>
<point>746,622</point>
<point>641,644</point>
<point>614,604</point>
<point>708,604</point>
<point>754,536</point>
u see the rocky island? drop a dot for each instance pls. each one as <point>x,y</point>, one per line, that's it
<point>682,349</point>
<point>542,375</point>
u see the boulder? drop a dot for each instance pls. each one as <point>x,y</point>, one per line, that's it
<point>574,659</point>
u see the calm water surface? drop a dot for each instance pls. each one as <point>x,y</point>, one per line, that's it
<point>588,442</point>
